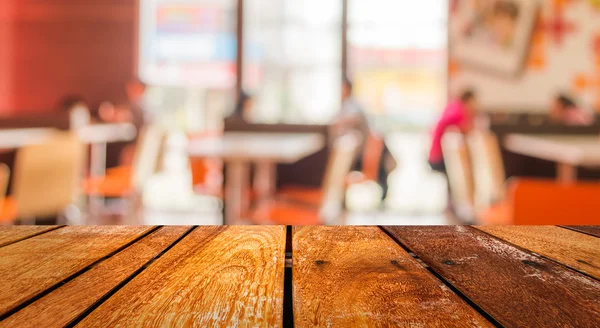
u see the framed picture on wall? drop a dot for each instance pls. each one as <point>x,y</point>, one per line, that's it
<point>493,34</point>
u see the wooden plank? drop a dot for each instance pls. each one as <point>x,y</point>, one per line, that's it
<point>573,249</point>
<point>359,277</point>
<point>515,287</point>
<point>31,266</point>
<point>66,303</point>
<point>590,230</point>
<point>12,234</point>
<point>215,277</point>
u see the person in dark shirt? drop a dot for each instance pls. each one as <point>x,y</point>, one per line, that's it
<point>242,111</point>
<point>352,117</point>
<point>78,110</point>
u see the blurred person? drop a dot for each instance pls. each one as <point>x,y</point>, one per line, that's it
<point>458,113</point>
<point>352,118</point>
<point>134,110</point>
<point>564,110</point>
<point>79,112</point>
<point>242,112</point>
<point>107,112</point>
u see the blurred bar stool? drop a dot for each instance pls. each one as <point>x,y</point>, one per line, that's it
<point>327,206</point>
<point>45,181</point>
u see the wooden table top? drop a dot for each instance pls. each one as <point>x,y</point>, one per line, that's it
<point>574,150</point>
<point>254,146</point>
<point>273,276</point>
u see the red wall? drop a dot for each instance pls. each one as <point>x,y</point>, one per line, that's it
<point>53,48</point>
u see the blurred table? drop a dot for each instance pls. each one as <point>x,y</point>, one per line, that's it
<point>239,149</point>
<point>568,152</point>
<point>97,135</point>
<point>245,276</point>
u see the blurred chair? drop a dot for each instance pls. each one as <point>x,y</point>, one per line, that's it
<point>364,192</point>
<point>329,205</point>
<point>460,174</point>
<point>546,202</point>
<point>371,159</point>
<point>128,181</point>
<point>45,178</point>
<point>207,173</point>
<point>9,211</point>
<point>488,168</point>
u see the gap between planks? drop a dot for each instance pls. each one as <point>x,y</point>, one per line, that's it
<point>288,287</point>
<point>443,280</point>
<point>565,266</point>
<point>31,236</point>
<point>115,289</point>
<point>75,275</point>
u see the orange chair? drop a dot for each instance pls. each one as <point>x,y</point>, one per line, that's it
<point>546,202</point>
<point>326,206</point>
<point>8,207</point>
<point>207,173</point>
<point>123,181</point>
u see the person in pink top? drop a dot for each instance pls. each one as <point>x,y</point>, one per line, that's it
<point>459,113</point>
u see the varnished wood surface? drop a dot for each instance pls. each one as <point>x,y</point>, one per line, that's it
<point>576,250</point>
<point>515,287</point>
<point>339,277</point>
<point>10,234</point>
<point>66,303</point>
<point>359,277</point>
<point>36,264</point>
<point>590,230</point>
<point>214,277</point>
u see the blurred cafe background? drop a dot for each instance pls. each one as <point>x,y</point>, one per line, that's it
<point>358,112</point>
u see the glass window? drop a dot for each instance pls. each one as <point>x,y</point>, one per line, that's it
<point>292,59</point>
<point>397,57</point>
<point>187,53</point>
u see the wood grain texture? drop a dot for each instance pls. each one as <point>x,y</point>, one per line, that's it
<point>517,288</point>
<point>64,304</point>
<point>573,249</point>
<point>214,277</point>
<point>33,265</point>
<point>359,277</point>
<point>11,234</point>
<point>590,230</point>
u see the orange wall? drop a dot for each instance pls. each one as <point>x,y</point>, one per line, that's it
<point>53,48</point>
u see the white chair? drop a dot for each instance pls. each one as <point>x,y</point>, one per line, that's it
<point>460,174</point>
<point>488,169</point>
